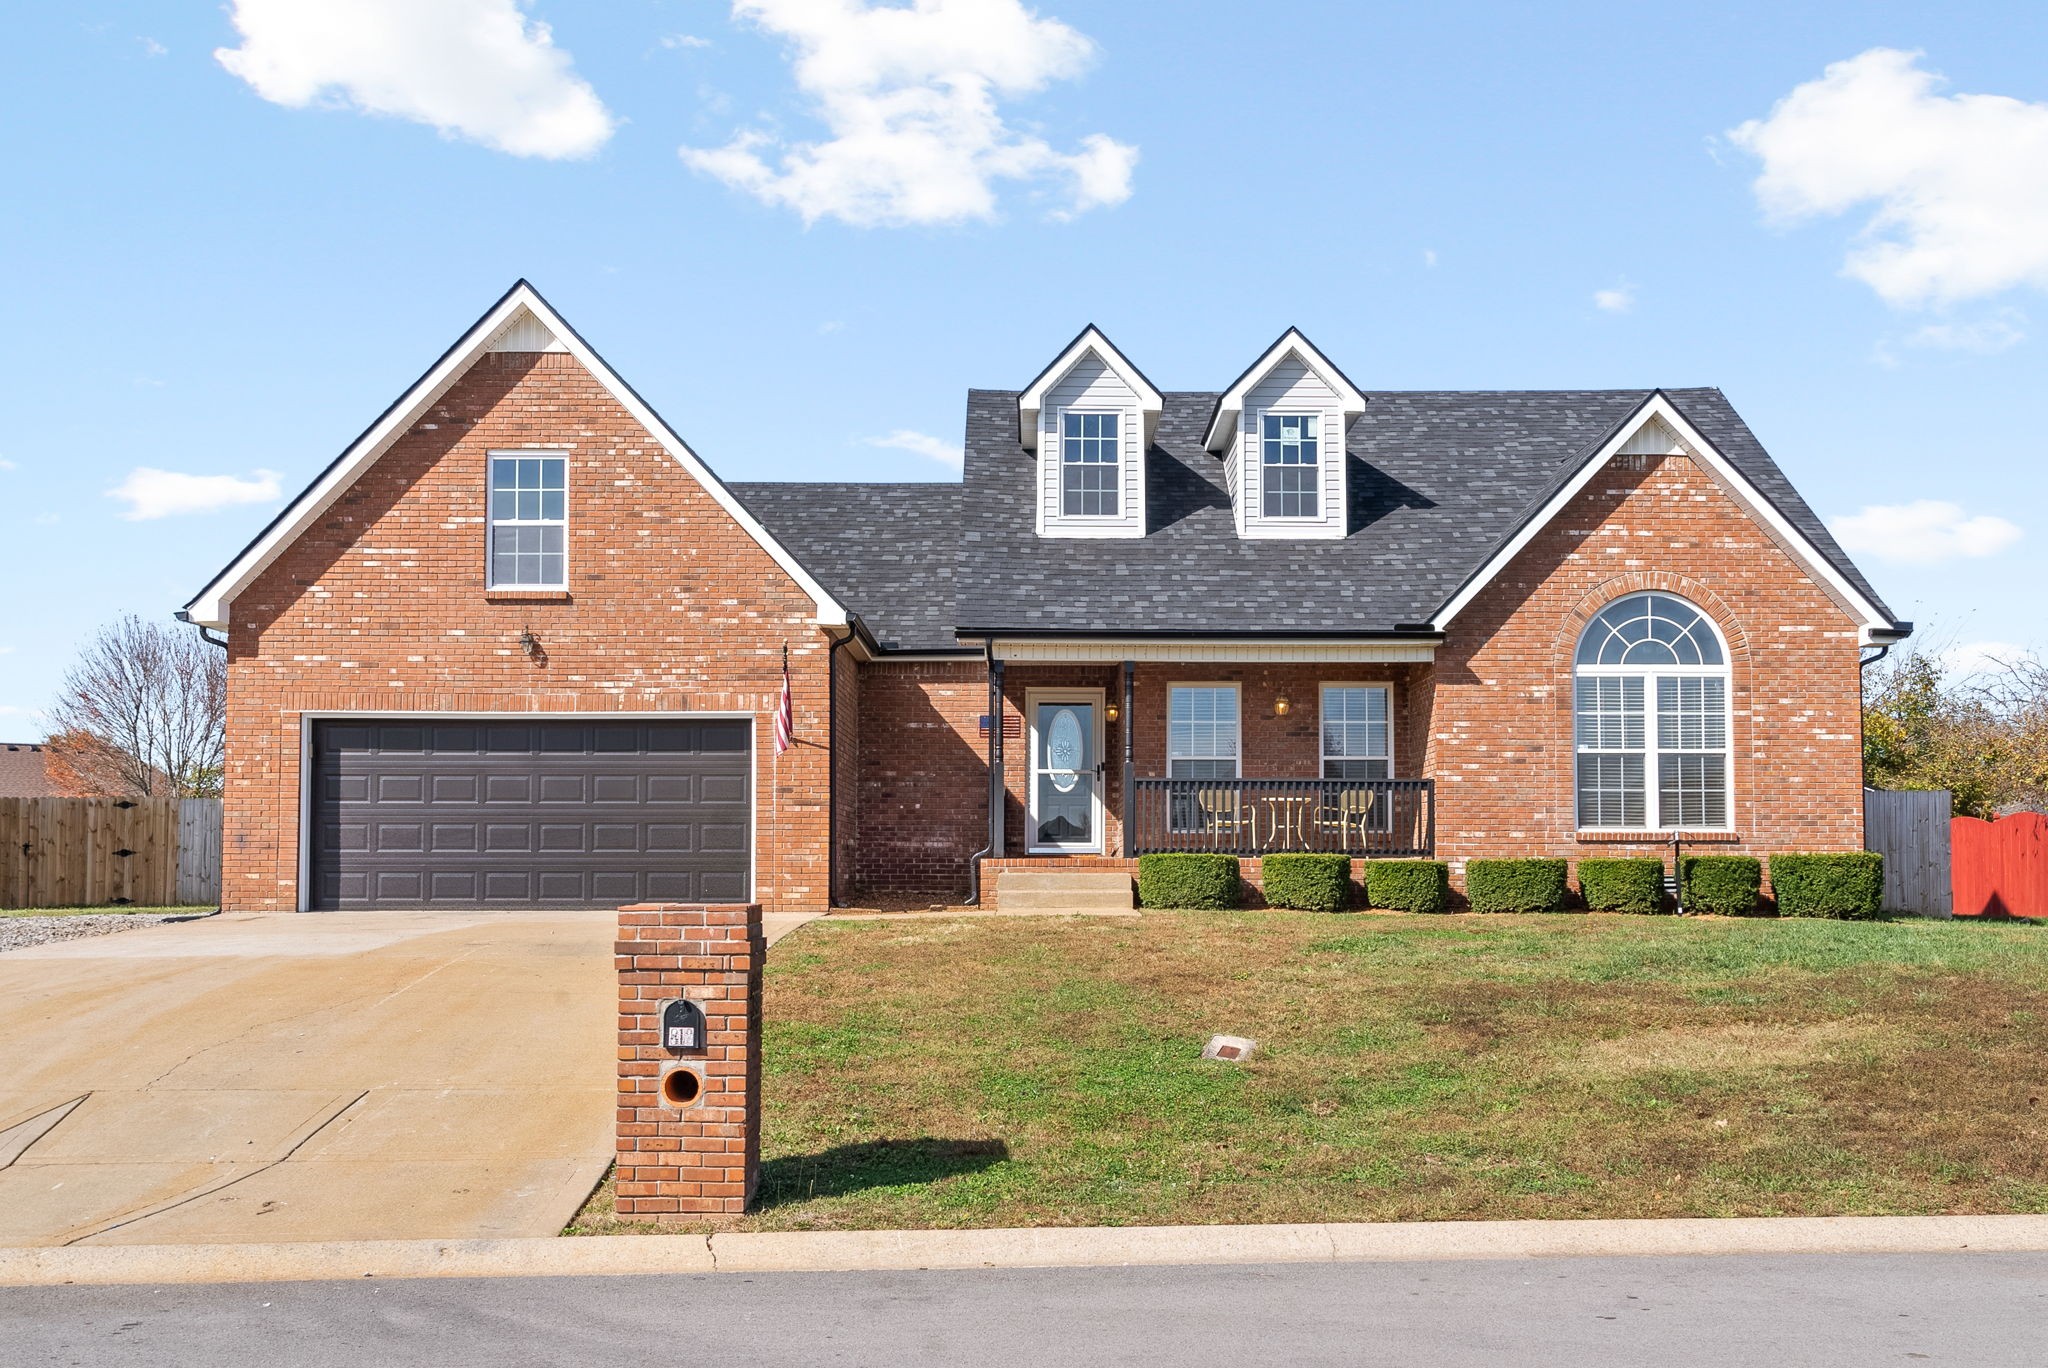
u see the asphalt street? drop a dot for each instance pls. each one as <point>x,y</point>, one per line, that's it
<point>1725,1312</point>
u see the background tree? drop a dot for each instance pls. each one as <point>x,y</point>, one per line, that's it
<point>1983,736</point>
<point>145,707</point>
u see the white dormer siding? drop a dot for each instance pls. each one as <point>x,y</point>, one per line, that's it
<point>1090,389</point>
<point>1088,484</point>
<point>1290,389</point>
<point>1280,431</point>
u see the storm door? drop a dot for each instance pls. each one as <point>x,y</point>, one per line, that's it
<point>1066,771</point>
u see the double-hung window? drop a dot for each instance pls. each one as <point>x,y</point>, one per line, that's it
<point>1357,737</point>
<point>1650,718</point>
<point>1291,470</point>
<point>1201,743</point>
<point>529,522</point>
<point>1091,465</point>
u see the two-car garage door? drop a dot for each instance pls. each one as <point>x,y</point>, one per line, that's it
<point>410,812</point>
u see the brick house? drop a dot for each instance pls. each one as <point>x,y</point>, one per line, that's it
<point>519,646</point>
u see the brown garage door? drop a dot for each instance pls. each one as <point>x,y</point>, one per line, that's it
<point>565,813</point>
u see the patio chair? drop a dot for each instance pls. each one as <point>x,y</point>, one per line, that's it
<point>1350,815</point>
<point>1222,812</point>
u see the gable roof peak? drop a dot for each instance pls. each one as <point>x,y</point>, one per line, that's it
<point>1090,340</point>
<point>1293,342</point>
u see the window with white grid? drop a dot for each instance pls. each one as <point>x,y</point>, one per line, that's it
<point>1650,718</point>
<point>1358,740</point>
<point>1201,731</point>
<point>1090,464</point>
<point>529,523</point>
<point>1290,465</point>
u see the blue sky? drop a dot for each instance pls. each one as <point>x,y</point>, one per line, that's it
<point>234,232</point>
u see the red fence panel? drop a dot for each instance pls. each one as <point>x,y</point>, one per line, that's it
<point>2000,868</point>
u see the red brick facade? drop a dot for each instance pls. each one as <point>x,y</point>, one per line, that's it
<point>689,1145</point>
<point>381,607</point>
<point>1499,714</point>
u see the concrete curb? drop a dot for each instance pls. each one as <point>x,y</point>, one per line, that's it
<point>1068,1247</point>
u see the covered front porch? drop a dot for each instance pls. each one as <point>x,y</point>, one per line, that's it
<point>1246,749</point>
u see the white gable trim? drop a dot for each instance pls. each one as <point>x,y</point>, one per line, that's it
<point>1032,401</point>
<point>1639,434</point>
<point>1223,423</point>
<point>520,311</point>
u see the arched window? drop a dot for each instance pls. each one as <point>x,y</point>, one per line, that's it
<point>1650,718</point>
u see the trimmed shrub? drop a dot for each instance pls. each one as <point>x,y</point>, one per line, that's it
<point>1307,883</point>
<point>1515,885</point>
<point>1845,885</point>
<point>1184,879</point>
<point>1727,885</point>
<point>1408,885</point>
<point>1632,884</point>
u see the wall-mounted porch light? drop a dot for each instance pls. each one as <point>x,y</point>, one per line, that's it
<point>529,644</point>
<point>1112,711</point>
<point>1281,705</point>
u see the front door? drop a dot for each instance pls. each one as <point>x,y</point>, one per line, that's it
<point>1066,771</point>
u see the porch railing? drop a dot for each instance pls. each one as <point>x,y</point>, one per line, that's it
<point>1387,818</point>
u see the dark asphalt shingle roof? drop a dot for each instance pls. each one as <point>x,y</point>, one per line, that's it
<point>885,551</point>
<point>1438,481</point>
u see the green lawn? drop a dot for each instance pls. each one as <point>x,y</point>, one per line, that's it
<point>1027,1072</point>
<point>104,911</point>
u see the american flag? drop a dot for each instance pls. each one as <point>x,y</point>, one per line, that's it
<point>785,717</point>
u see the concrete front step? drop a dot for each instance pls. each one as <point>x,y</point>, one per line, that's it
<point>1075,890</point>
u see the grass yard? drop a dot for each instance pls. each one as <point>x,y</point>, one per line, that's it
<point>1005,1072</point>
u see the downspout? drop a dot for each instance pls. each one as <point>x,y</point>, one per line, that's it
<point>994,670</point>
<point>832,763</point>
<point>186,618</point>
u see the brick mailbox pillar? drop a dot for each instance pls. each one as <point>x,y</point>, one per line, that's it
<point>689,1126</point>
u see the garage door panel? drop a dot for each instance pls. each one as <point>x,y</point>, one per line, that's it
<point>541,813</point>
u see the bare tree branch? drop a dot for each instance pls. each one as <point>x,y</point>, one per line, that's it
<point>154,698</point>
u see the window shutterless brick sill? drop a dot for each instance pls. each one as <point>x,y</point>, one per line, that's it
<point>1609,836</point>
<point>527,596</point>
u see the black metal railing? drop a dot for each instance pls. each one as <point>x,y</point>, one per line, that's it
<point>1366,817</point>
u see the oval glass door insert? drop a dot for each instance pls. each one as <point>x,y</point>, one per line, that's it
<point>1063,750</point>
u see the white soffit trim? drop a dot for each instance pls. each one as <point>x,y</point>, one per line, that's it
<point>1223,424</point>
<point>1032,401</point>
<point>1658,428</point>
<point>515,317</point>
<point>1302,650</point>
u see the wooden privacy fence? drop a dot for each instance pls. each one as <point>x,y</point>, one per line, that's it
<point>1911,831</point>
<point>2001,867</point>
<point>92,852</point>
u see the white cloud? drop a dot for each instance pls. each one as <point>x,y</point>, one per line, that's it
<point>1959,183</point>
<point>1429,256</point>
<point>1984,336</point>
<point>676,41</point>
<point>910,95</point>
<point>152,48</point>
<point>947,454</point>
<point>1971,659</point>
<point>476,69</point>
<point>152,493</point>
<point>1923,532</point>
<point>6,464</point>
<point>1617,299</point>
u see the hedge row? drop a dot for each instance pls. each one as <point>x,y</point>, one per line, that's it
<point>1312,883</point>
<point>1836,885</point>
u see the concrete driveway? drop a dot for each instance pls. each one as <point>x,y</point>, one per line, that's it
<point>332,1076</point>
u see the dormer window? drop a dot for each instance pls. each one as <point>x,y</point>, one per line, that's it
<point>1292,472</point>
<point>1090,465</point>
<point>1089,418</point>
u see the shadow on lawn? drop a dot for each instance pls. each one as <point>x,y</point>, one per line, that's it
<point>847,1169</point>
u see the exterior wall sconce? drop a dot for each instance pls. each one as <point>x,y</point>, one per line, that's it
<point>529,644</point>
<point>1112,711</point>
<point>1281,705</point>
